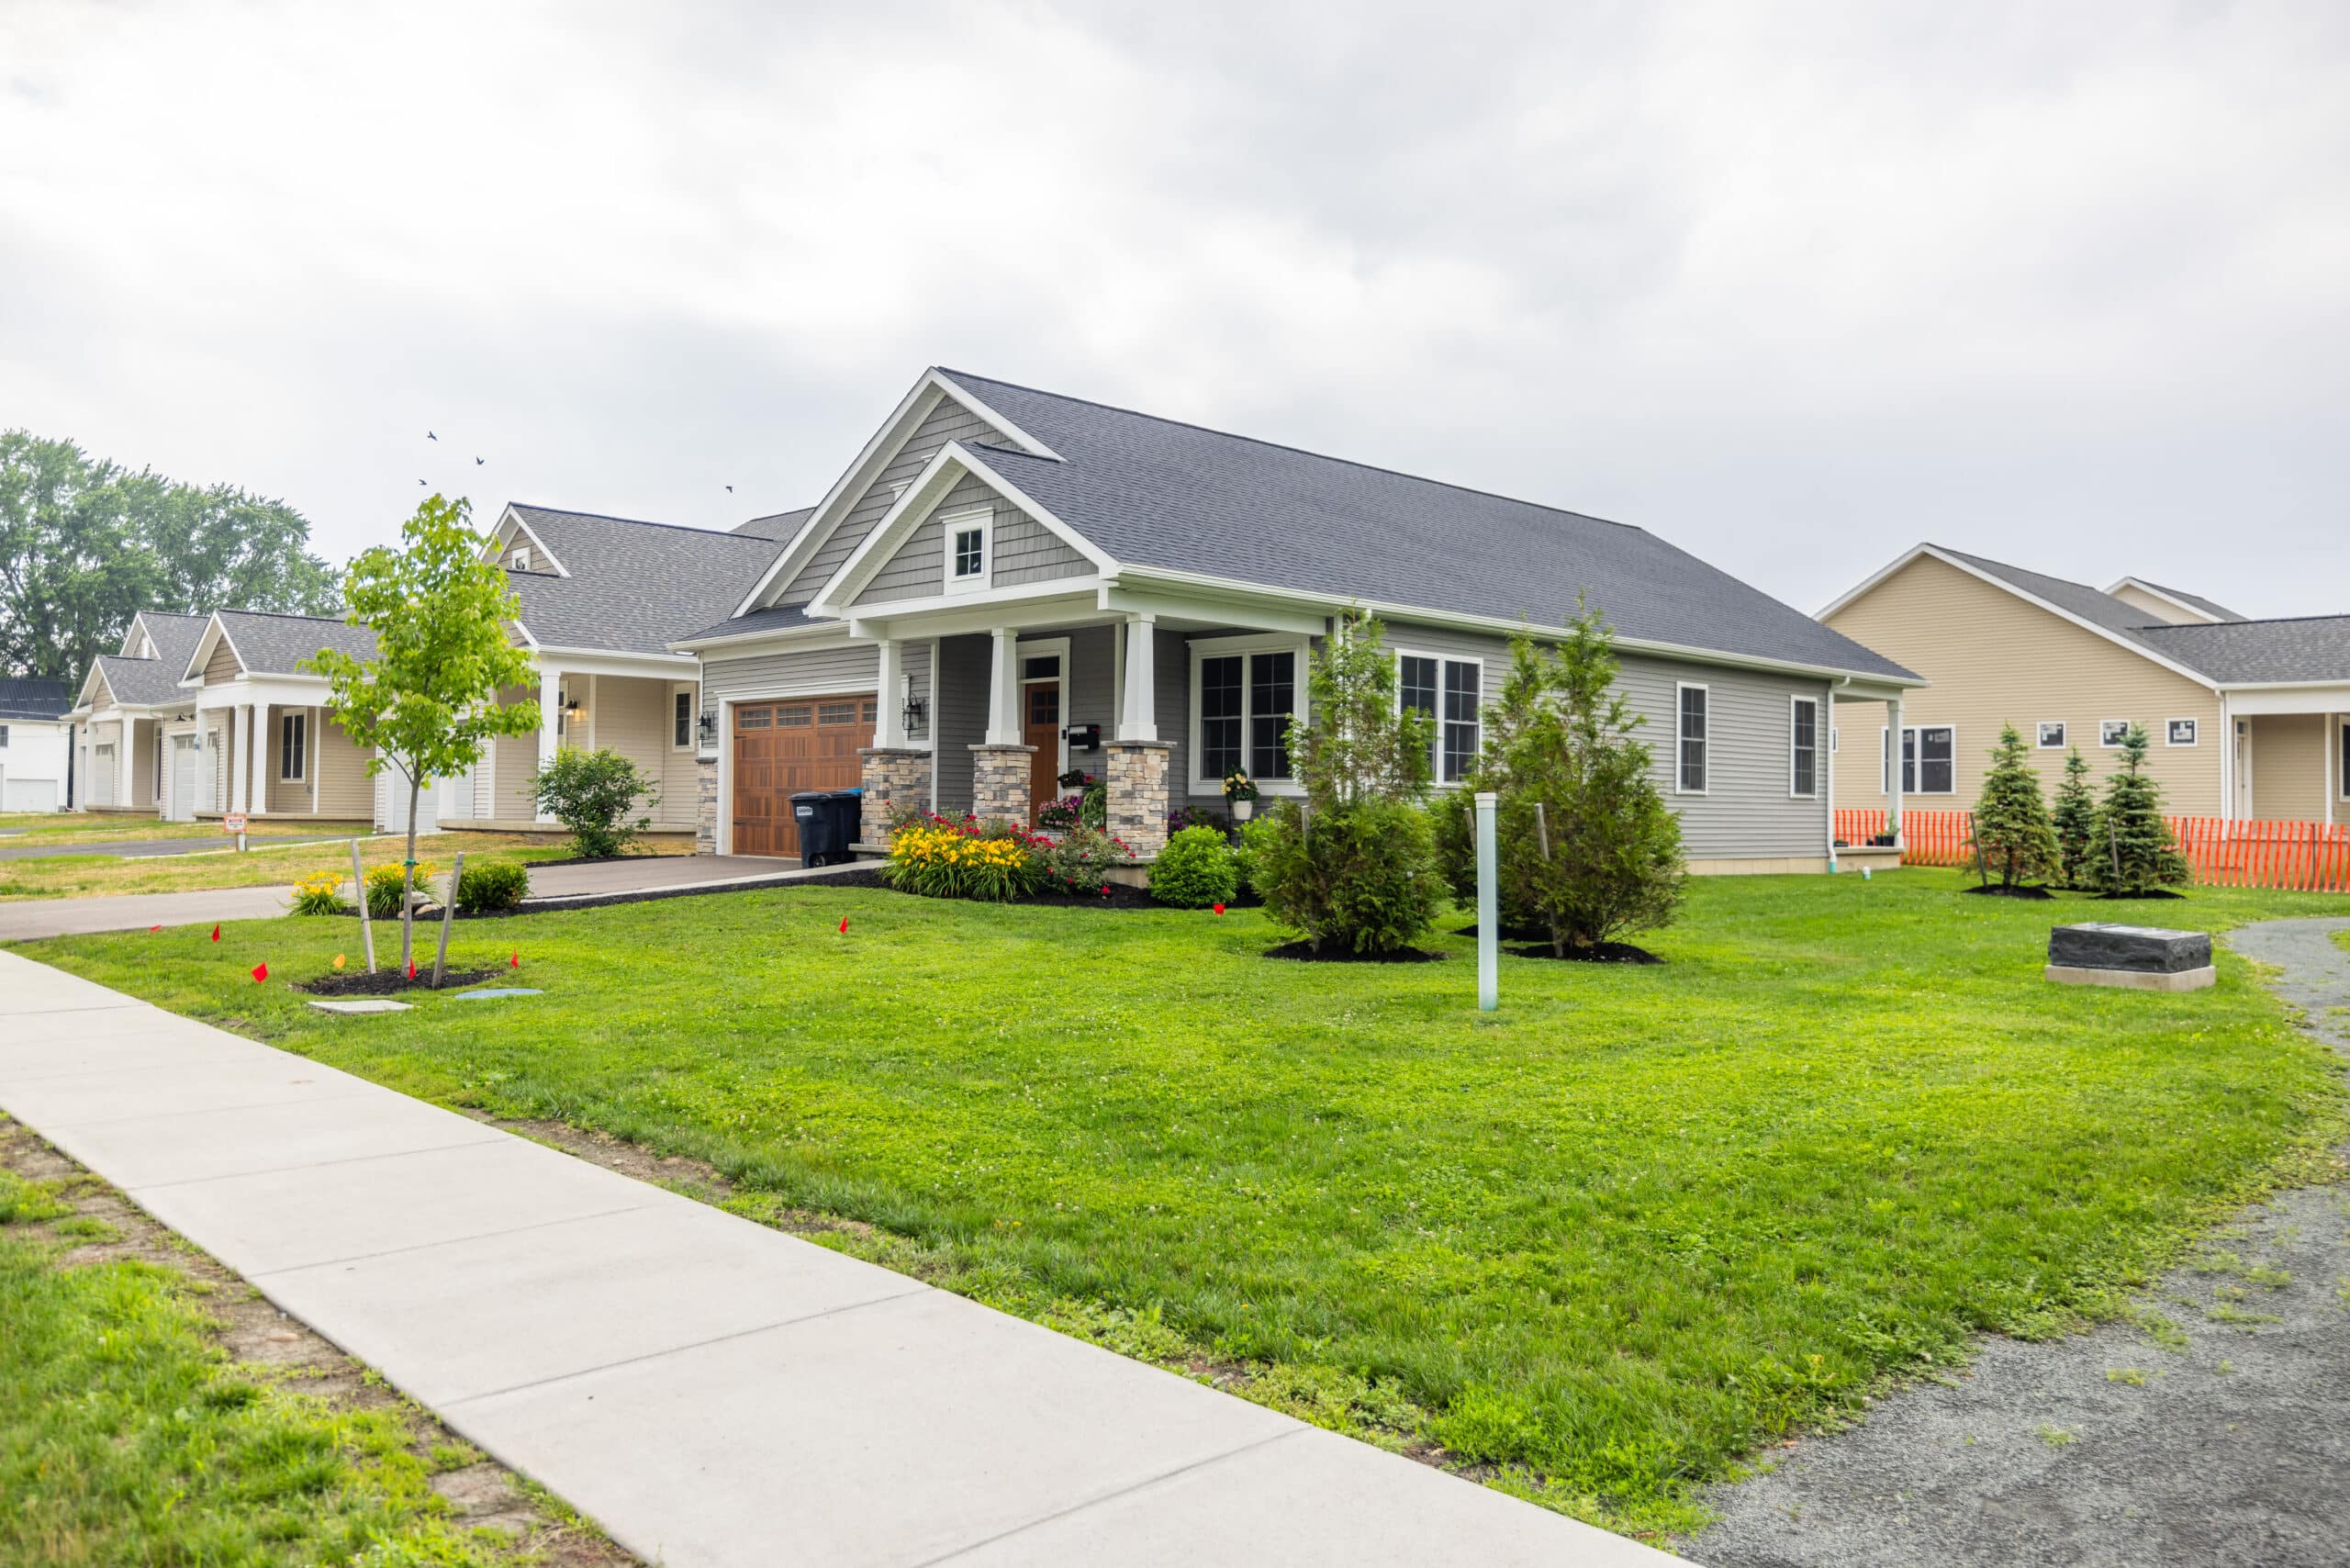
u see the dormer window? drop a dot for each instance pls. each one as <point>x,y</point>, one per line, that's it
<point>518,559</point>
<point>966,549</point>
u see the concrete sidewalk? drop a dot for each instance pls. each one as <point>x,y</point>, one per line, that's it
<point>709,1391</point>
<point>21,919</point>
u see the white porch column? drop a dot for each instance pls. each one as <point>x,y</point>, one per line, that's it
<point>1003,687</point>
<point>241,746</point>
<point>1893,770</point>
<point>549,720</point>
<point>1138,714</point>
<point>315,757</point>
<point>889,725</point>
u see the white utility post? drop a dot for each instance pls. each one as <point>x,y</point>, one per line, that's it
<point>1893,762</point>
<point>889,724</point>
<point>1138,714</point>
<point>550,720</point>
<point>1488,907</point>
<point>1003,687</point>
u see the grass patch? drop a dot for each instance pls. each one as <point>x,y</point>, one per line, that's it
<point>83,876</point>
<point>1594,1247</point>
<point>128,1436</point>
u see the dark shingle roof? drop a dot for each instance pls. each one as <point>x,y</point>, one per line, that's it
<point>2209,607</point>
<point>2313,648</point>
<point>33,697</point>
<point>1153,492</point>
<point>2092,605</point>
<point>270,643</point>
<point>774,618</point>
<point>635,587</point>
<point>176,636</point>
<point>778,526</point>
<point>145,683</point>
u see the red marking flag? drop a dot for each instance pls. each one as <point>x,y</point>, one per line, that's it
<point>152,929</point>
<point>215,933</point>
<point>260,973</point>
<point>1219,909</point>
<point>844,925</point>
<point>514,961</point>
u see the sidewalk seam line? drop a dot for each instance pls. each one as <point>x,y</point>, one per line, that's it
<point>257,1275</point>
<point>307,1165</point>
<point>363,1088</point>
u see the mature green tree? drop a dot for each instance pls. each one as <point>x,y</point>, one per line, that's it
<point>1354,867</point>
<point>427,698</point>
<point>2074,820</point>
<point>1586,843</point>
<point>2133,853</point>
<point>1523,690</point>
<point>85,545</point>
<point>2012,832</point>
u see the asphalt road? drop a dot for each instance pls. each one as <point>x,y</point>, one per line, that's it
<point>139,848</point>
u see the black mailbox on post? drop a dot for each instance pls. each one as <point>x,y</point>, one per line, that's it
<point>1083,738</point>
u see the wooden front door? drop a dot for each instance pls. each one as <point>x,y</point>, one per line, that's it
<point>782,748</point>
<point>1042,731</point>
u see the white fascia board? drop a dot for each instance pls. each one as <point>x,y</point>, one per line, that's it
<point>1117,600</point>
<point>2197,676</point>
<point>1049,603</point>
<point>604,661</point>
<point>2278,697</point>
<point>971,400</point>
<point>893,434</point>
<point>732,642</point>
<point>1877,576</point>
<point>282,690</point>
<point>1410,614</point>
<point>500,538</point>
<point>790,639</point>
<point>1069,536</point>
<point>215,633</point>
<point>2202,617</point>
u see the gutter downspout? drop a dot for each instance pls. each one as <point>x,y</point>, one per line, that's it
<point>1833,688</point>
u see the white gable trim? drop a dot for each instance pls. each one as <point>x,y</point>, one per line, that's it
<point>2197,676</point>
<point>932,485</point>
<point>510,523</point>
<point>216,632</point>
<point>879,452</point>
<point>2202,616</point>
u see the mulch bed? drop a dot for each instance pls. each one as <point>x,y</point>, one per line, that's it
<point>1304,952</point>
<point>1597,953</point>
<point>1511,932</point>
<point>2133,898</point>
<point>386,980</point>
<point>2021,890</point>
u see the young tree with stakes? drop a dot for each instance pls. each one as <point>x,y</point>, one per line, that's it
<point>426,699</point>
<point>2134,854</point>
<point>2012,832</point>
<point>2074,820</point>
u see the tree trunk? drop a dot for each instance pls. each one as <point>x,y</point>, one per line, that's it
<point>408,882</point>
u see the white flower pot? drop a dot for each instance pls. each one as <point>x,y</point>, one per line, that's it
<point>1242,809</point>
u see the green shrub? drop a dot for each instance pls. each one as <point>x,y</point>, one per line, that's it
<point>591,793</point>
<point>1255,834</point>
<point>492,887</point>
<point>2132,852</point>
<point>969,859</point>
<point>321,894</point>
<point>384,887</point>
<point>2074,820</point>
<point>1078,861</point>
<point>1194,870</point>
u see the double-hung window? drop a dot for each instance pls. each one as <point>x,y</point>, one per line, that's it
<point>1449,693</point>
<point>681,718</point>
<point>1803,756</point>
<point>966,549</point>
<point>293,744</point>
<point>1929,760</point>
<point>1245,700</point>
<point>1694,736</point>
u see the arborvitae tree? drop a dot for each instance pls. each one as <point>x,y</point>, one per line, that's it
<point>2012,832</point>
<point>1587,844</point>
<point>2133,853</point>
<point>1354,867</point>
<point>2074,820</point>
<point>1506,718</point>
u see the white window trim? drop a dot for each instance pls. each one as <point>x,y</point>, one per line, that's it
<point>1206,648</point>
<point>2104,744</point>
<point>2195,728</point>
<point>684,688</point>
<point>292,716</point>
<point>1794,700</point>
<point>1893,760</point>
<point>1680,774</point>
<point>1040,648</point>
<point>517,559</point>
<point>1435,744</point>
<point>963,521</point>
<point>2040,741</point>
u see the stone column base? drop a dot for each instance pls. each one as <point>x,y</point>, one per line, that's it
<point>1000,783</point>
<point>1137,800</point>
<point>895,778</point>
<point>706,805</point>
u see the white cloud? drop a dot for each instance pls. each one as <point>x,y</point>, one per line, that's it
<point>1791,286</point>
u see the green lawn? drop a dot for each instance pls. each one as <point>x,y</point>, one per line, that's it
<point>261,865</point>
<point>127,1436</point>
<point>1595,1247</point>
<point>89,827</point>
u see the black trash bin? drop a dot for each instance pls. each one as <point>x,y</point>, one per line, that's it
<point>827,820</point>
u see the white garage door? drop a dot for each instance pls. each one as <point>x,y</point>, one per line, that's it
<point>391,801</point>
<point>102,775</point>
<point>181,805</point>
<point>28,794</point>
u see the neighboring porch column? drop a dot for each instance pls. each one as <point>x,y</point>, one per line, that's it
<point>549,720</point>
<point>1135,764</point>
<point>1892,771</point>
<point>240,745</point>
<point>895,776</point>
<point>315,757</point>
<point>999,764</point>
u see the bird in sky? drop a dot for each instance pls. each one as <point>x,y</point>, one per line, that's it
<point>429,436</point>
<point>479,461</point>
<point>420,481</point>
<point>729,489</point>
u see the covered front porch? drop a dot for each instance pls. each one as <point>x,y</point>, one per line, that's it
<point>1159,697</point>
<point>646,708</point>
<point>269,750</point>
<point>2288,755</point>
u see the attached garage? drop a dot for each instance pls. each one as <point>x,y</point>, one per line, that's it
<point>783,747</point>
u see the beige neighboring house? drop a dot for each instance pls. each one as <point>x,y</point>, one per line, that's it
<point>2249,720</point>
<point>259,738</point>
<point>131,707</point>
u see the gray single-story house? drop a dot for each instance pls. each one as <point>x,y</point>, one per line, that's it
<point>1007,583</point>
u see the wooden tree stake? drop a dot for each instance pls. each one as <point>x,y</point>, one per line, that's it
<point>448,911</point>
<point>366,927</point>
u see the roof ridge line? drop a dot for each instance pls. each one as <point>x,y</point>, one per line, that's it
<point>2246,620</point>
<point>648,522</point>
<point>1284,447</point>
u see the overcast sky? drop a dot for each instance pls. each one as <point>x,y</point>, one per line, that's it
<point>1794,286</point>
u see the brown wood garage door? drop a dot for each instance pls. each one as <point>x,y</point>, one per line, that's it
<point>807,742</point>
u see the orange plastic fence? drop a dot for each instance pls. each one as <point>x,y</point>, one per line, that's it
<point>2313,857</point>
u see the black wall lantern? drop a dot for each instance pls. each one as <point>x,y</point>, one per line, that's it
<point>706,728</point>
<point>915,711</point>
